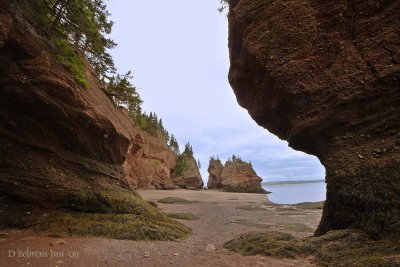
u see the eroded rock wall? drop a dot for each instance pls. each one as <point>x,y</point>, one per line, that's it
<point>325,76</point>
<point>57,137</point>
<point>150,167</point>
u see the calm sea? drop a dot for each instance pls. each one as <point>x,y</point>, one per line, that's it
<point>295,193</point>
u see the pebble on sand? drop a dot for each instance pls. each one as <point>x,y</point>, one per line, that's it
<point>210,247</point>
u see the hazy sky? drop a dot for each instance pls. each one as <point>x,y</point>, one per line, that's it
<point>178,53</point>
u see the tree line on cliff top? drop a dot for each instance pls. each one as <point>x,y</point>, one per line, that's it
<point>234,158</point>
<point>78,31</point>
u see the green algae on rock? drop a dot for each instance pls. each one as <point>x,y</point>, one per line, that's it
<point>183,216</point>
<point>119,215</point>
<point>336,248</point>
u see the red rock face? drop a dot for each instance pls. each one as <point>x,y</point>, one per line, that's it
<point>215,169</point>
<point>234,177</point>
<point>325,76</point>
<point>150,166</point>
<point>58,137</point>
<point>240,176</point>
<point>55,135</point>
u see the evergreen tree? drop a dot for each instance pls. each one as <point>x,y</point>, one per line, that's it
<point>173,144</point>
<point>180,167</point>
<point>166,134</point>
<point>238,159</point>
<point>85,25</point>
<point>188,150</point>
<point>124,93</point>
<point>181,164</point>
<point>78,31</point>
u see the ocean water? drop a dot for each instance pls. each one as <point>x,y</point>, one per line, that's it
<point>295,193</point>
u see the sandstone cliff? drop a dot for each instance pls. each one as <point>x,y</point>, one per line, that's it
<point>215,169</point>
<point>55,134</point>
<point>325,76</point>
<point>235,176</point>
<point>63,145</point>
<point>153,163</point>
<point>190,178</point>
<point>45,108</point>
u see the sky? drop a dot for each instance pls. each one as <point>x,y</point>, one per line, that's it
<point>178,53</point>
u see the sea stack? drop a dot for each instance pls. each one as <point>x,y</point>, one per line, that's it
<point>215,169</point>
<point>235,176</point>
<point>186,173</point>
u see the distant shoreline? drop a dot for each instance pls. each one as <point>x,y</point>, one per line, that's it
<point>293,182</point>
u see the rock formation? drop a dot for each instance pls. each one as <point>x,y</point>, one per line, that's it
<point>215,169</point>
<point>190,178</point>
<point>235,176</point>
<point>325,76</point>
<point>153,163</point>
<point>240,177</point>
<point>57,137</point>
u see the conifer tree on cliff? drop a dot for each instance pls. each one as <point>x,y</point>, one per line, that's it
<point>173,144</point>
<point>82,23</point>
<point>125,93</point>
<point>78,31</point>
<point>188,150</point>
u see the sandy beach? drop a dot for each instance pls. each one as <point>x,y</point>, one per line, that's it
<point>221,216</point>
